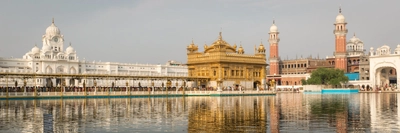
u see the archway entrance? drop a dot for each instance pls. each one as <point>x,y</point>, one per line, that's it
<point>255,84</point>
<point>385,78</point>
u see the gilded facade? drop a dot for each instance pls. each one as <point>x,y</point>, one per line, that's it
<point>226,66</point>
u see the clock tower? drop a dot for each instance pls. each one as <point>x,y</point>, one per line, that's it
<point>273,50</point>
<point>340,32</point>
<point>53,40</point>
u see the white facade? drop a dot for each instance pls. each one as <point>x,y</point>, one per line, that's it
<point>53,59</point>
<point>355,47</point>
<point>382,61</point>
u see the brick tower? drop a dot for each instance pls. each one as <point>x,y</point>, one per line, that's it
<point>340,42</point>
<point>273,50</point>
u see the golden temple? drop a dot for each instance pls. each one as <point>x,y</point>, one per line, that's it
<point>227,67</point>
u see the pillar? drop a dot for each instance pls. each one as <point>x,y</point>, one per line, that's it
<point>76,82</point>
<point>67,82</point>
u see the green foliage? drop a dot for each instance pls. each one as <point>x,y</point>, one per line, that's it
<point>327,76</point>
<point>303,82</point>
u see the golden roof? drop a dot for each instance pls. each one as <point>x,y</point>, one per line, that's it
<point>192,47</point>
<point>240,50</point>
<point>261,48</point>
<point>220,45</point>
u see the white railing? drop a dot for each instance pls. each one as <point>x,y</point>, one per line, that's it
<point>116,93</point>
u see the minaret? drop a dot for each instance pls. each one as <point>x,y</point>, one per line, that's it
<point>340,42</point>
<point>273,50</point>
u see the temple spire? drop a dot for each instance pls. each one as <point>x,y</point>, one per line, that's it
<point>52,20</point>
<point>354,34</point>
<point>220,35</point>
<point>340,9</point>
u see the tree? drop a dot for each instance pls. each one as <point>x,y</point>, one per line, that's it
<point>327,76</point>
<point>303,82</point>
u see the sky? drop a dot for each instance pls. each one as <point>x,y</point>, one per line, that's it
<point>155,31</point>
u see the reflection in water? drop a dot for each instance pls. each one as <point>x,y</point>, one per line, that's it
<point>285,112</point>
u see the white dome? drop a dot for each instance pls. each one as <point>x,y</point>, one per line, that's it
<point>340,18</point>
<point>397,50</point>
<point>273,28</point>
<point>354,39</point>
<point>52,29</point>
<point>70,49</point>
<point>35,50</point>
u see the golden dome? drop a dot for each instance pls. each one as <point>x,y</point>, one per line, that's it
<point>192,47</point>
<point>261,48</point>
<point>240,50</point>
<point>220,45</point>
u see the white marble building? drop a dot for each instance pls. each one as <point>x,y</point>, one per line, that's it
<point>384,64</point>
<point>51,58</point>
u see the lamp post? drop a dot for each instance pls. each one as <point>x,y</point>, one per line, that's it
<point>24,86</point>
<point>126,89</point>
<point>184,87</point>
<point>16,85</point>
<point>273,84</point>
<point>108,91</point>
<point>34,80</point>
<point>95,86</point>
<point>6,86</point>
<point>176,86</point>
<point>139,86</point>
<point>86,92</point>
<point>112,86</point>
<point>152,86</point>
<point>84,87</point>
<point>63,85</point>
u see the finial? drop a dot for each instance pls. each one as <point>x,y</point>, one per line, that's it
<point>52,21</point>
<point>192,41</point>
<point>220,35</point>
<point>340,8</point>
<point>354,34</point>
<point>273,20</point>
<point>69,43</point>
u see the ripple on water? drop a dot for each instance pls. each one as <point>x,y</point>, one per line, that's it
<point>286,112</point>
